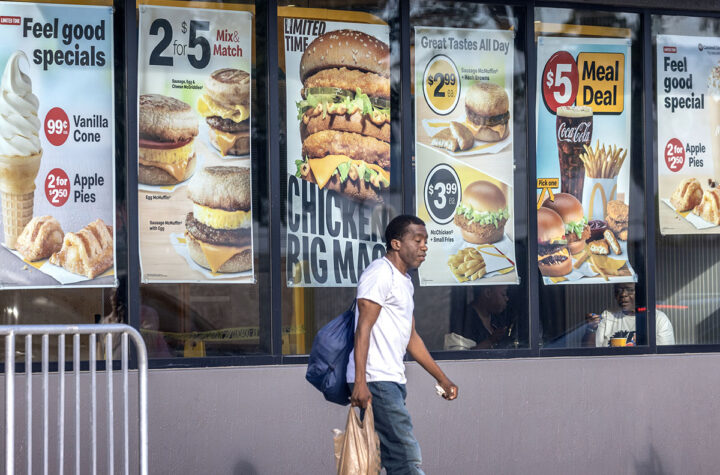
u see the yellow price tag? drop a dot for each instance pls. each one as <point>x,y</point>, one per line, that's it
<point>441,84</point>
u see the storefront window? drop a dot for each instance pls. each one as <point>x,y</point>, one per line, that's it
<point>339,153</point>
<point>687,88</point>
<point>590,178</point>
<point>64,237</point>
<point>370,125</point>
<point>468,83</point>
<point>202,181</point>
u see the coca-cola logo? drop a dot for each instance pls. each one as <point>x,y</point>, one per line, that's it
<point>581,133</point>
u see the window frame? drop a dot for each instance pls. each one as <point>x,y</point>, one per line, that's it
<point>267,72</point>
<point>266,23</point>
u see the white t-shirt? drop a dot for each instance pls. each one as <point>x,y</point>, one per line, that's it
<point>384,284</point>
<point>612,323</point>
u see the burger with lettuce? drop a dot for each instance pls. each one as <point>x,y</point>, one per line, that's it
<point>572,214</point>
<point>344,114</point>
<point>482,213</point>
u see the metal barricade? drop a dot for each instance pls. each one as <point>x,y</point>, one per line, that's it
<point>10,332</point>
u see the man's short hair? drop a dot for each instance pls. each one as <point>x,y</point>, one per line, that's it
<point>397,228</point>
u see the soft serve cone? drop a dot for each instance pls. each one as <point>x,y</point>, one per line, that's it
<point>20,150</point>
<point>17,188</point>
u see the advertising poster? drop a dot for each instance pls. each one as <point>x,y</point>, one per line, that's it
<point>194,174</point>
<point>337,77</point>
<point>57,153</point>
<point>464,155</point>
<point>688,121</point>
<point>583,160</point>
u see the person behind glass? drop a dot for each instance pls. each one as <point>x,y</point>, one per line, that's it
<point>384,331</point>
<point>483,325</point>
<point>601,329</point>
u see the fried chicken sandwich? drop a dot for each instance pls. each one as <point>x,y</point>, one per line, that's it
<point>573,215</point>
<point>482,213</point>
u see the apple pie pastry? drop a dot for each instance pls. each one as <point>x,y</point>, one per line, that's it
<point>41,238</point>
<point>709,207</point>
<point>687,195</point>
<point>88,252</point>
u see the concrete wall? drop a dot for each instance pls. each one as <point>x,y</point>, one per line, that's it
<point>625,415</point>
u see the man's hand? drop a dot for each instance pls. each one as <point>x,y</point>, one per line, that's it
<point>592,320</point>
<point>418,350</point>
<point>361,395</point>
<point>451,391</point>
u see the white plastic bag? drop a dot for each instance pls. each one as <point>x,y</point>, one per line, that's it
<point>454,342</point>
<point>357,450</point>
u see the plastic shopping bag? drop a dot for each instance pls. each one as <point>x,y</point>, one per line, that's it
<point>357,450</point>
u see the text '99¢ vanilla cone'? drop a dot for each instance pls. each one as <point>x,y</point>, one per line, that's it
<point>20,149</point>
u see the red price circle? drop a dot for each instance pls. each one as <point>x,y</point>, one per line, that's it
<point>560,80</point>
<point>57,187</point>
<point>674,155</point>
<point>57,126</point>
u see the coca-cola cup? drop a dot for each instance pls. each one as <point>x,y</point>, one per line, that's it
<point>574,130</point>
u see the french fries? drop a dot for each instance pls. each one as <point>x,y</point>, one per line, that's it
<point>603,162</point>
<point>468,264</point>
<point>581,259</point>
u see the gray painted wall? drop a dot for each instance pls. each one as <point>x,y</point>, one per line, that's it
<point>625,415</point>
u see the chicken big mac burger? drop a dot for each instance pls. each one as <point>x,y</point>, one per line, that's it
<point>488,111</point>
<point>482,213</point>
<point>572,214</point>
<point>553,257</point>
<point>226,108</point>
<point>345,114</point>
<point>167,129</point>
<point>218,229</point>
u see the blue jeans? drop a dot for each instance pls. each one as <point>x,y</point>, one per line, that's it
<point>399,451</point>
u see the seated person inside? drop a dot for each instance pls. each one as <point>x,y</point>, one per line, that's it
<point>601,329</point>
<point>485,323</point>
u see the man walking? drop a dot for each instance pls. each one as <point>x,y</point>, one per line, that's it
<point>384,331</point>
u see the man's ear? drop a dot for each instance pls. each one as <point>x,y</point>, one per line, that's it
<point>395,244</point>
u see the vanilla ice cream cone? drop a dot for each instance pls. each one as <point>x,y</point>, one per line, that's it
<point>20,148</point>
<point>17,189</point>
<point>17,211</point>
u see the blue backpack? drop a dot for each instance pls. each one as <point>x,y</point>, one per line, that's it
<point>329,357</point>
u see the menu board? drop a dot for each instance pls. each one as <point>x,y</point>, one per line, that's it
<point>194,173</point>
<point>583,160</point>
<point>337,77</point>
<point>688,134</point>
<point>464,155</point>
<point>57,153</point>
